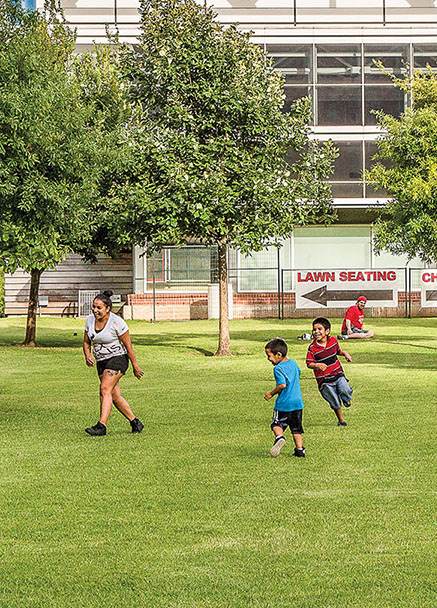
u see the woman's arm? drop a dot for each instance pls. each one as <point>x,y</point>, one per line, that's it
<point>125,338</point>
<point>87,350</point>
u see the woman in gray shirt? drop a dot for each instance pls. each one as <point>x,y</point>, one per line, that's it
<point>112,349</point>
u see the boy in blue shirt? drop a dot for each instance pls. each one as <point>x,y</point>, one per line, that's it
<point>289,405</point>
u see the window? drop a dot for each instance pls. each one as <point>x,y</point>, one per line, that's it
<point>425,54</point>
<point>293,93</point>
<point>389,99</point>
<point>394,58</point>
<point>347,180</point>
<point>339,64</point>
<point>370,150</point>
<point>183,264</point>
<point>339,105</point>
<point>294,61</point>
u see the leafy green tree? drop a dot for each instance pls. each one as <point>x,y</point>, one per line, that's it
<point>406,168</point>
<point>57,144</point>
<point>212,141</point>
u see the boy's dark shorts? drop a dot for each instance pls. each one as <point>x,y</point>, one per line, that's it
<point>292,419</point>
<point>116,364</point>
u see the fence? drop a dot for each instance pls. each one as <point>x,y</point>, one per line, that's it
<point>287,293</point>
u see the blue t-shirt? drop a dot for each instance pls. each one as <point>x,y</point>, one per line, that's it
<point>290,398</point>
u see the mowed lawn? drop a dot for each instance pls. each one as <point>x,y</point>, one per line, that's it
<point>194,512</point>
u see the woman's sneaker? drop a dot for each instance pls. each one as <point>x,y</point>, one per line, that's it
<point>98,430</point>
<point>276,448</point>
<point>137,425</point>
<point>342,423</point>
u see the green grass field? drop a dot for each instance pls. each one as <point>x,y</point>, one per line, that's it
<point>194,512</point>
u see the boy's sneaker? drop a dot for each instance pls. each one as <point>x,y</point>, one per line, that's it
<point>276,448</point>
<point>137,425</point>
<point>342,423</point>
<point>342,337</point>
<point>98,430</point>
<point>299,453</point>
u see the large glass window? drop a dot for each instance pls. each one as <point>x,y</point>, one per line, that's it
<point>294,61</point>
<point>389,99</point>
<point>332,247</point>
<point>339,105</point>
<point>339,64</point>
<point>183,264</point>
<point>347,180</point>
<point>293,93</point>
<point>369,152</point>
<point>394,59</point>
<point>424,55</point>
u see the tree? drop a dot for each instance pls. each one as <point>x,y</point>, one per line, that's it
<point>406,167</point>
<point>57,144</point>
<point>212,141</point>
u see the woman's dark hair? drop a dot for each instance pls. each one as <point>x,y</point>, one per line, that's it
<point>322,321</point>
<point>105,297</point>
<point>277,345</point>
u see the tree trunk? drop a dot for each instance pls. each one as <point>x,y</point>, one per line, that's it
<point>224,347</point>
<point>30,339</point>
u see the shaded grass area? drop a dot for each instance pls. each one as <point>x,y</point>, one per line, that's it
<point>194,512</point>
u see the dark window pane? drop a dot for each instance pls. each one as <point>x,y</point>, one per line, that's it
<point>425,54</point>
<point>349,164</point>
<point>294,61</point>
<point>370,151</point>
<point>339,105</point>
<point>349,190</point>
<point>377,193</point>
<point>394,58</point>
<point>339,64</point>
<point>389,99</point>
<point>293,93</point>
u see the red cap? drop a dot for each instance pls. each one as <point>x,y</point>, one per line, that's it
<point>362,299</point>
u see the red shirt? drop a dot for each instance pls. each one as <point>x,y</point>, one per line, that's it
<point>355,316</point>
<point>327,354</point>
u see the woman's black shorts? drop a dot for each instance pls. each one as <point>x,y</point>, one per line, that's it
<point>117,364</point>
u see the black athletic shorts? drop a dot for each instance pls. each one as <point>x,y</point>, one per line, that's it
<point>292,419</point>
<point>117,364</point>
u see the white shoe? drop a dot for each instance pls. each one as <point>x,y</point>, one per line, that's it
<point>277,446</point>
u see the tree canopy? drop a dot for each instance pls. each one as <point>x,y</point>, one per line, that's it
<point>212,138</point>
<point>406,168</point>
<point>58,143</point>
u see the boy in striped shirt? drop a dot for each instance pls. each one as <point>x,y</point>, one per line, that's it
<point>322,357</point>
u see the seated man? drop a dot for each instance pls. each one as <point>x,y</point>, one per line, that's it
<point>353,322</point>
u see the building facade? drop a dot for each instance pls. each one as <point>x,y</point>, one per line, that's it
<point>326,49</point>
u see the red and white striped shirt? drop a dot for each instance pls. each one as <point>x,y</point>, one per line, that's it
<point>327,354</point>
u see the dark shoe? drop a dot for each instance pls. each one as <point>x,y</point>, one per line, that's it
<point>97,430</point>
<point>299,453</point>
<point>342,423</point>
<point>137,425</point>
<point>347,404</point>
<point>341,337</point>
<point>279,443</point>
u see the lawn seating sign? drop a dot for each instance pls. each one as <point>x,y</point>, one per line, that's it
<point>428,284</point>
<point>341,288</point>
